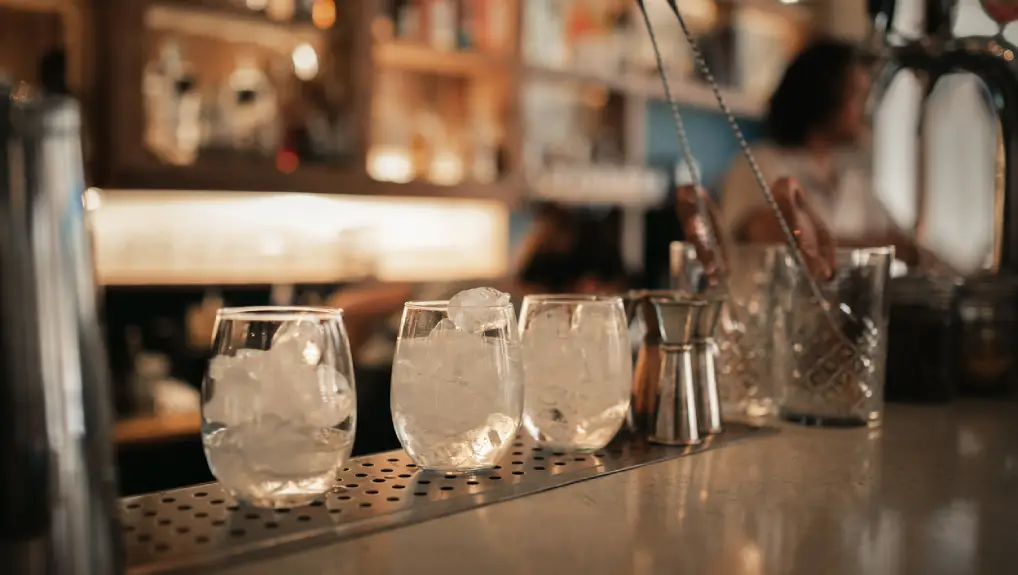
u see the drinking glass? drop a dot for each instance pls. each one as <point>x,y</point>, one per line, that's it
<point>578,369</point>
<point>744,335</point>
<point>457,384</point>
<point>278,403</point>
<point>834,374</point>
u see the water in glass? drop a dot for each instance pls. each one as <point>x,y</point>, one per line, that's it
<point>278,405</point>
<point>457,382</point>
<point>578,368</point>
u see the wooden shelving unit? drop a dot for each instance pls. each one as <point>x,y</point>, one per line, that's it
<point>113,46</point>
<point>422,59</point>
<point>687,92</point>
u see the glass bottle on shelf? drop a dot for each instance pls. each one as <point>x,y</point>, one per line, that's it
<point>389,158</point>
<point>544,33</point>
<point>249,109</point>
<point>442,24</point>
<point>173,107</point>
<point>485,149</point>
<point>408,21</point>
<point>443,160</point>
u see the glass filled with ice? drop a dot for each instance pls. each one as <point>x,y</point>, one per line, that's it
<point>578,369</point>
<point>278,403</point>
<point>457,381</point>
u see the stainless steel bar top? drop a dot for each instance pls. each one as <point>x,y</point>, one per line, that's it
<point>933,492</point>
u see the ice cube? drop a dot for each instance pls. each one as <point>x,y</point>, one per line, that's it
<point>479,309</point>
<point>219,366</point>
<point>236,395</point>
<point>441,329</point>
<point>334,402</point>
<point>301,340</point>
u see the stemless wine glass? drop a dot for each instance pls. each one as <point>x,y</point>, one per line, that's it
<point>457,384</point>
<point>578,369</point>
<point>278,403</point>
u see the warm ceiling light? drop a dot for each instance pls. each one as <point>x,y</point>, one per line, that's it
<point>305,62</point>
<point>323,13</point>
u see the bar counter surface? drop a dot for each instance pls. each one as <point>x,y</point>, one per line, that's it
<point>934,491</point>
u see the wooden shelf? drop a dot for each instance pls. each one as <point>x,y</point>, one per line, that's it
<point>688,92</point>
<point>246,177</point>
<point>424,59</point>
<point>153,428</point>
<point>231,27</point>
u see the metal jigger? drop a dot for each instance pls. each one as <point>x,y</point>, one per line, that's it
<point>674,419</point>
<point>704,353</point>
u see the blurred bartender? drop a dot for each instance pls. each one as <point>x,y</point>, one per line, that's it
<point>817,127</point>
<point>566,251</point>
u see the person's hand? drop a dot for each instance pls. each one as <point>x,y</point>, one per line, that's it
<point>699,231</point>
<point>816,243</point>
<point>815,240</point>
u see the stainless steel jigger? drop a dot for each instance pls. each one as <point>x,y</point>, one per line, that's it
<point>704,352</point>
<point>675,420</point>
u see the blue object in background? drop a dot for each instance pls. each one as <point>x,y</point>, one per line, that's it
<point>713,143</point>
<point>709,134</point>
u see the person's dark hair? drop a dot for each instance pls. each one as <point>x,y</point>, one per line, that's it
<point>53,71</point>
<point>811,91</point>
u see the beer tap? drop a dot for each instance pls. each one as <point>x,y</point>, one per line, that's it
<point>990,59</point>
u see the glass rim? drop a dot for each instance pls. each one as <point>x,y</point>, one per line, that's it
<point>443,305</point>
<point>279,313</point>
<point>684,299</point>
<point>871,251</point>
<point>573,298</point>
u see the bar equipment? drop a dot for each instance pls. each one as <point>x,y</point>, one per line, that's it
<point>986,293</point>
<point>577,367</point>
<point>934,58</point>
<point>279,406</point>
<point>457,381</point>
<point>704,370</point>
<point>921,348</point>
<point>744,334</point>
<point>987,313</point>
<point>648,360</point>
<point>834,335</point>
<point>675,418</point>
<point>57,482</point>
<point>827,381</point>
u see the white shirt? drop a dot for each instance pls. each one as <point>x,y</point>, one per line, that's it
<point>846,202</point>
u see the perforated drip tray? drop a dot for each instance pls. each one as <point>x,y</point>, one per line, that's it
<point>202,527</point>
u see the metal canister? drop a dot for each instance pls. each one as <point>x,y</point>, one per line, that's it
<point>987,332</point>
<point>57,482</point>
<point>921,340</point>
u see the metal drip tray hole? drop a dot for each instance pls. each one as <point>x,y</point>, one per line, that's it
<point>203,526</point>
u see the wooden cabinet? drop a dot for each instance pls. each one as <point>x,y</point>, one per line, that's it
<point>461,98</point>
<point>444,111</point>
<point>214,95</point>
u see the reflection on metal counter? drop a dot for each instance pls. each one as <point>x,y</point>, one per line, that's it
<point>57,486</point>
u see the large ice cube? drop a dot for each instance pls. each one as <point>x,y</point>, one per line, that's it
<point>299,340</point>
<point>333,403</point>
<point>236,395</point>
<point>479,309</point>
<point>278,382</point>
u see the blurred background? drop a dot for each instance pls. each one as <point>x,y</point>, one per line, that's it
<point>359,154</point>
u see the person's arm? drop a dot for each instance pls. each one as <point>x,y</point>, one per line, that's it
<point>365,306</point>
<point>745,215</point>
